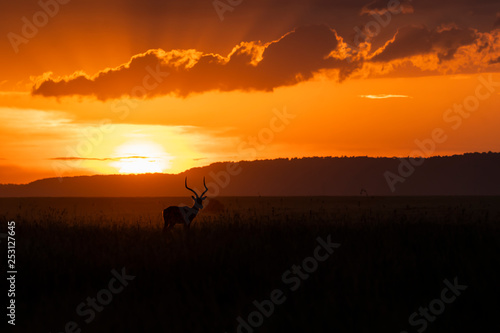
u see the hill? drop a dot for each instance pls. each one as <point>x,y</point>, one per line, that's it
<point>468,174</point>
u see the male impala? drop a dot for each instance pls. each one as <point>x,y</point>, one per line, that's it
<point>184,215</point>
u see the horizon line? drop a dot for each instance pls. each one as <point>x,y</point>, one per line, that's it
<point>264,159</point>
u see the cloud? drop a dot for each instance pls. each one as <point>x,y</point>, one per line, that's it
<point>14,93</point>
<point>384,96</point>
<point>381,7</point>
<point>478,56</point>
<point>417,40</point>
<point>293,58</point>
<point>31,121</point>
<point>96,159</point>
<point>496,25</point>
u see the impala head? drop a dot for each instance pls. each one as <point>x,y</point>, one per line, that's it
<point>198,199</point>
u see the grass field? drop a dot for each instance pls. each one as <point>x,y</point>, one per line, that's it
<point>394,255</point>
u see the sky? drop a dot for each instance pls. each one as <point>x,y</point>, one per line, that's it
<point>121,86</point>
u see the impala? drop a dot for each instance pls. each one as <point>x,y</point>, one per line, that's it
<point>184,215</point>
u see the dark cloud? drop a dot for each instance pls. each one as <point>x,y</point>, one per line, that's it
<point>496,25</point>
<point>295,57</point>
<point>250,66</point>
<point>411,41</point>
<point>95,33</point>
<point>381,7</point>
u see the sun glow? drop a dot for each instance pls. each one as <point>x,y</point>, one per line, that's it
<point>141,157</point>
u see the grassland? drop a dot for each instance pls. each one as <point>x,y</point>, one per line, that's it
<point>394,255</point>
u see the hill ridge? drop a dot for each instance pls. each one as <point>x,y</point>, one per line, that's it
<point>466,174</point>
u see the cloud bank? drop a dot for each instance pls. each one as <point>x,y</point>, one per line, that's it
<point>409,41</point>
<point>295,57</point>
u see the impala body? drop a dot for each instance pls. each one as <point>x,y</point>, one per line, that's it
<point>184,215</point>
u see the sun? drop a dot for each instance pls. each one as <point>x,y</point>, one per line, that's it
<point>141,157</point>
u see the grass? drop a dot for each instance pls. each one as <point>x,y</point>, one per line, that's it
<point>394,255</point>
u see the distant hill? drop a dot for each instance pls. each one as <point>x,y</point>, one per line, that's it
<point>468,174</point>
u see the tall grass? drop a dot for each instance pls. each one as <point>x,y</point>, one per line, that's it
<point>395,253</point>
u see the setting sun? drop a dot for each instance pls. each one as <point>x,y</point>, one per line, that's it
<point>141,157</point>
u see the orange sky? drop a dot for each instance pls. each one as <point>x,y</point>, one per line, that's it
<point>117,88</point>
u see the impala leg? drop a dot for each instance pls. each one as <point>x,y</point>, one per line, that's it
<point>166,231</point>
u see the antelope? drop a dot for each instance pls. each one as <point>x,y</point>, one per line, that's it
<point>184,215</point>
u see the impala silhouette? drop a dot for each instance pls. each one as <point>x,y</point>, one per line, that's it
<point>184,215</point>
